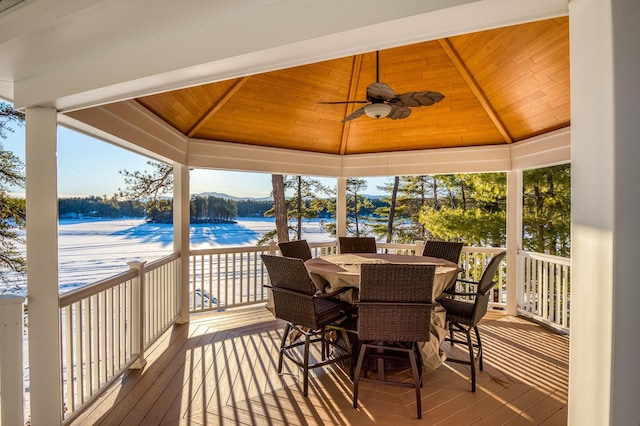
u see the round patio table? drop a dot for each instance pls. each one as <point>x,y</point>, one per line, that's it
<point>330,273</point>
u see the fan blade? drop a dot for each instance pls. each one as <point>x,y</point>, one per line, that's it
<point>416,99</point>
<point>343,102</point>
<point>398,112</point>
<point>355,114</point>
<point>379,92</point>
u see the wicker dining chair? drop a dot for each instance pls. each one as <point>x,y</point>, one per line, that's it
<point>394,313</point>
<point>464,316</point>
<point>449,250</point>
<point>296,302</point>
<point>357,245</point>
<point>296,248</point>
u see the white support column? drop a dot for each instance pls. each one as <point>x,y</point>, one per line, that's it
<point>42,266</point>
<point>11,369</point>
<point>341,208</point>
<point>604,376</point>
<point>514,236</point>
<point>625,379</point>
<point>181,243</point>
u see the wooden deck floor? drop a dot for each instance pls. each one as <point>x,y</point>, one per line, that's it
<point>220,370</point>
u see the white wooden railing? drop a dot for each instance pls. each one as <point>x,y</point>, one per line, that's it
<point>229,277</point>
<point>473,261</point>
<point>544,290</point>
<point>106,326</point>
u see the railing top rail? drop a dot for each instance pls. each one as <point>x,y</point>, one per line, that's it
<point>228,250</point>
<point>161,262</point>
<point>323,244</point>
<point>408,246</point>
<point>74,296</point>
<point>471,249</point>
<point>565,261</point>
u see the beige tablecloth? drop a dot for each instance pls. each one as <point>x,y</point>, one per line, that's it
<point>330,273</point>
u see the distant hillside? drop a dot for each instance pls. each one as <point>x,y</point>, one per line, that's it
<point>232,197</point>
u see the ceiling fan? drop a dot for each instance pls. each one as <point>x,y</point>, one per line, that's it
<point>383,102</point>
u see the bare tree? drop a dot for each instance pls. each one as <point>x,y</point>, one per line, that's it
<point>280,208</point>
<point>392,208</point>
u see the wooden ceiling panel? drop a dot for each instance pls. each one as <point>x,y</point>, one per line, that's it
<point>522,70</point>
<point>182,108</point>
<point>500,86</point>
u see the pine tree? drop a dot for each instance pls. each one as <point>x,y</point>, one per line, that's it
<point>12,210</point>
<point>150,186</point>
<point>473,210</point>
<point>547,210</point>
<point>305,203</point>
<point>356,203</point>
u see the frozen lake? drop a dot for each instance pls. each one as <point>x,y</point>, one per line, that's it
<point>94,249</point>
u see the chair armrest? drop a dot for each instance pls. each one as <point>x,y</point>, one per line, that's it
<point>286,290</point>
<point>459,293</point>
<point>333,293</point>
<point>462,280</point>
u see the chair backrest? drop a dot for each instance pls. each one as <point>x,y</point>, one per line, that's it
<point>395,302</point>
<point>443,249</point>
<point>485,285</point>
<point>357,245</point>
<point>293,290</point>
<point>297,248</point>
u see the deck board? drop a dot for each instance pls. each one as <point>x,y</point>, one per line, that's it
<point>221,370</point>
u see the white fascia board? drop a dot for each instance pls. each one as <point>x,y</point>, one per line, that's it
<point>491,158</point>
<point>541,151</point>
<point>250,158</point>
<point>132,127</point>
<point>173,56</point>
<point>546,150</point>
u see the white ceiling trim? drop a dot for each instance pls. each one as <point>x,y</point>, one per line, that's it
<point>130,126</point>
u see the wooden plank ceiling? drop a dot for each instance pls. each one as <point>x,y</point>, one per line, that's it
<point>500,86</point>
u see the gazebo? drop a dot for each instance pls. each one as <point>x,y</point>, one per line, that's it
<point>240,86</point>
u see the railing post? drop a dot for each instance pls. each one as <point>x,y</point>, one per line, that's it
<point>11,370</point>
<point>419,247</point>
<point>138,315</point>
<point>273,248</point>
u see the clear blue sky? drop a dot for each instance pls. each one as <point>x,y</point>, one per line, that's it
<point>87,166</point>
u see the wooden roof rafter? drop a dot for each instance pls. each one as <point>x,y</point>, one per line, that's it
<point>217,105</point>
<point>475,88</point>
<point>353,87</point>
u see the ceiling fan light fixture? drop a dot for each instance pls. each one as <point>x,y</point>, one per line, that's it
<point>377,110</point>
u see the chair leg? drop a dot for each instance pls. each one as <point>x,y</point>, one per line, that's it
<point>324,344</point>
<point>479,355</point>
<point>416,382</point>
<point>451,334</point>
<point>305,379</point>
<point>349,349</point>
<point>356,377</point>
<point>287,329</point>
<point>471,360</point>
